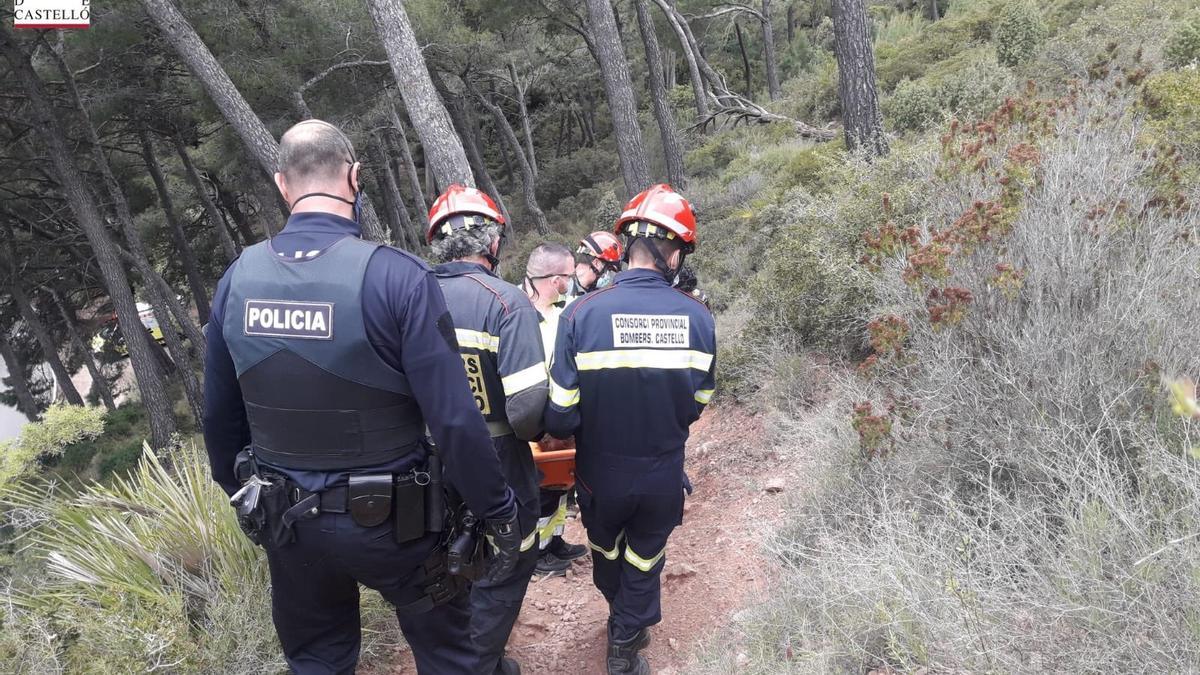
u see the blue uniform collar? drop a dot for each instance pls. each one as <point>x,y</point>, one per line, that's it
<point>320,222</point>
<point>458,268</point>
<point>640,277</point>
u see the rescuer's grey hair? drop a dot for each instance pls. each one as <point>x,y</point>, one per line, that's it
<point>314,151</point>
<point>543,259</point>
<point>465,243</point>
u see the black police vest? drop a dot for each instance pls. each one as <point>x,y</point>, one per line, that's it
<point>318,396</point>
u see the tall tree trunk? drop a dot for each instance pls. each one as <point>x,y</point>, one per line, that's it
<point>154,395</point>
<point>26,405</point>
<point>41,332</point>
<point>672,153</point>
<point>526,128</point>
<point>462,118</point>
<point>401,225</point>
<point>934,12</point>
<point>737,30</point>
<point>164,301</point>
<point>233,106</point>
<point>769,52</point>
<point>510,172</point>
<point>668,66</point>
<point>563,129</point>
<point>699,92</point>
<point>228,201</point>
<point>99,382</point>
<point>210,208</point>
<point>528,181</point>
<point>204,66</point>
<point>409,165</point>
<point>183,247</point>
<point>443,148</point>
<point>791,21</point>
<point>619,90</point>
<point>859,96</point>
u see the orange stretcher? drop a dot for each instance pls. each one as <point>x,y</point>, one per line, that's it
<point>556,460</point>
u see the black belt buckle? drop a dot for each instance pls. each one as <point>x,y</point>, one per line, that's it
<point>370,498</point>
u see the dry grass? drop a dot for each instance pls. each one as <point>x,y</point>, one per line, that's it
<point>1035,508</point>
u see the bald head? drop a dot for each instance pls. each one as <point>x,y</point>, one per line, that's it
<point>314,152</point>
<point>316,157</point>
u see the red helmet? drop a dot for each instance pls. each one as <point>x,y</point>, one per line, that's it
<point>656,209</point>
<point>459,200</point>
<point>602,245</point>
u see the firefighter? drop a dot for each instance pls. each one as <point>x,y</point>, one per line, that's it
<point>501,347</point>
<point>633,368</point>
<point>597,261</point>
<point>548,274</point>
<point>329,356</point>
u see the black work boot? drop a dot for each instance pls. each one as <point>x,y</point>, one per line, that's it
<point>549,564</point>
<point>507,666</point>
<point>564,551</point>
<point>623,656</point>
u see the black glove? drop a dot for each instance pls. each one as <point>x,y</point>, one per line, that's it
<point>504,535</point>
<point>687,484</point>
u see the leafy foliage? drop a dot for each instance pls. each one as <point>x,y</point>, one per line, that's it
<point>1183,46</point>
<point>61,426</point>
<point>1019,32</point>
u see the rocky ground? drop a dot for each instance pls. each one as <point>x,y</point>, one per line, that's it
<point>715,564</point>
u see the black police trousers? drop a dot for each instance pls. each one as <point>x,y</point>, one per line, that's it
<point>314,597</point>
<point>627,531</point>
<point>495,605</point>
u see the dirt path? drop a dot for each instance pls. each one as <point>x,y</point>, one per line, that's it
<point>714,562</point>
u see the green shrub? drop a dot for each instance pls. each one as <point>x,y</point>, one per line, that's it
<point>1019,32</point>
<point>1183,46</point>
<point>121,460</point>
<point>913,105</point>
<point>61,426</point>
<point>975,90</point>
<point>1173,101</point>
<point>562,177</point>
<point>713,157</point>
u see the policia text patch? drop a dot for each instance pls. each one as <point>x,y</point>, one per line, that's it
<point>669,331</point>
<point>285,318</point>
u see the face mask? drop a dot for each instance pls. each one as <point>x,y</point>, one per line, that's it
<point>605,279</point>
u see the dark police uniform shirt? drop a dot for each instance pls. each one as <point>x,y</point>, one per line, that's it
<point>501,345</point>
<point>401,307</point>
<point>633,367</point>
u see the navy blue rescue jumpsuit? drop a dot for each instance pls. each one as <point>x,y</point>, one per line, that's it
<point>501,347</point>
<point>633,367</point>
<point>330,355</point>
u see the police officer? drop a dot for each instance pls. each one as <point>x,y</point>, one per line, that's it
<point>501,347</point>
<point>633,368</point>
<point>597,261</point>
<point>328,356</point>
<point>548,274</point>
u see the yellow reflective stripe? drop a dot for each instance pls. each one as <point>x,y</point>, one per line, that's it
<point>477,339</point>
<point>548,526</point>
<point>643,564</point>
<point>561,396</point>
<point>644,358</point>
<point>610,555</point>
<point>527,542</point>
<point>524,379</point>
<point>704,396</point>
